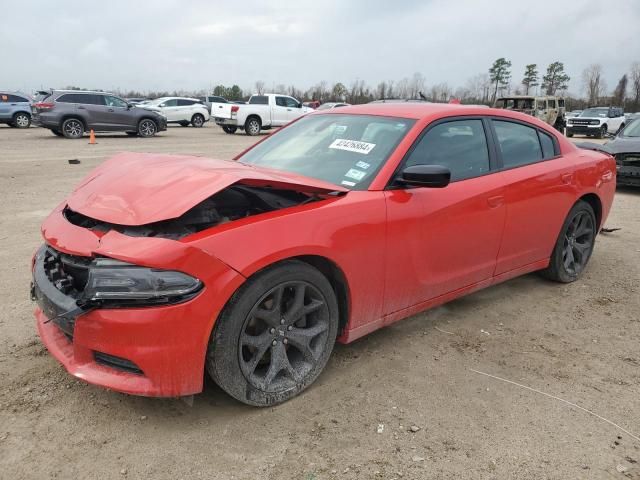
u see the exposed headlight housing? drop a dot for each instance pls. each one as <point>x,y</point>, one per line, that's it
<point>570,121</point>
<point>594,122</point>
<point>112,281</point>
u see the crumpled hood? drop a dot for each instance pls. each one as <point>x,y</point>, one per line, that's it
<point>142,188</point>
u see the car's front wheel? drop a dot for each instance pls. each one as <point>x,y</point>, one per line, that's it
<point>22,120</point>
<point>602,132</point>
<point>147,128</point>
<point>197,120</point>
<point>72,128</point>
<point>574,245</point>
<point>275,335</point>
<point>229,129</point>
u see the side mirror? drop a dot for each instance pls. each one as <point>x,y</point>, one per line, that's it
<point>430,176</point>
<point>162,105</point>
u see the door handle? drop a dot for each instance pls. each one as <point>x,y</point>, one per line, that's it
<point>110,110</point>
<point>566,178</point>
<point>496,201</point>
<point>288,109</point>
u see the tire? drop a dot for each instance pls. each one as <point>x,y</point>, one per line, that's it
<point>574,246</point>
<point>569,135</point>
<point>21,120</point>
<point>147,128</point>
<point>262,354</point>
<point>72,128</point>
<point>183,124</point>
<point>56,132</point>
<point>229,129</point>
<point>252,126</point>
<point>197,120</point>
<point>602,132</point>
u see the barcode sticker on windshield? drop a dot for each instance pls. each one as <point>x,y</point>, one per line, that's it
<point>355,174</point>
<point>352,146</point>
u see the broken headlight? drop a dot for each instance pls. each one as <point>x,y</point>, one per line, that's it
<point>113,281</point>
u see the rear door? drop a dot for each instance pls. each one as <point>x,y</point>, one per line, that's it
<point>539,192</point>
<point>443,239</point>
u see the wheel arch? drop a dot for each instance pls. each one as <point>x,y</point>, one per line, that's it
<point>253,115</point>
<point>68,116</point>
<point>17,112</point>
<point>594,201</point>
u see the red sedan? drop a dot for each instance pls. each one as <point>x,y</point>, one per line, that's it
<point>159,267</point>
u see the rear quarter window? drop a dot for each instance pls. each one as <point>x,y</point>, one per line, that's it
<point>259,100</point>
<point>519,144</point>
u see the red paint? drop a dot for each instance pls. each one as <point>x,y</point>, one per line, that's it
<point>400,251</point>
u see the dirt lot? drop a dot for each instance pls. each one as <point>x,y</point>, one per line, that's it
<point>578,342</point>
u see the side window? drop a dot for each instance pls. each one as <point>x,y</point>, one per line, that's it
<point>217,100</point>
<point>111,101</point>
<point>552,103</point>
<point>70,98</point>
<point>459,145</point>
<point>519,144</point>
<point>17,99</point>
<point>542,104</point>
<point>561,102</point>
<point>259,100</point>
<point>185,103</point>
<point>171,103</point>
<point>548,148</point>
<point>281,101</point>
<point>4,98</point>
<point>291,103</point>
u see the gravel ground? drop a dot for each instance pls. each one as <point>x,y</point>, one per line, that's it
<point>405,402</point>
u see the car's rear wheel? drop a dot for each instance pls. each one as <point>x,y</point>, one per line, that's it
<point>22,120</point>
<point>252,126</point>
<point>197,120</point>
<point>275,335</point>
<point>574,245</point>
<point>72,128</point>
<point>229,129</point>
<point>147,128</point>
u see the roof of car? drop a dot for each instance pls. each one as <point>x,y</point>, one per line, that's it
<point>415,110</point>
<point>82,91</point>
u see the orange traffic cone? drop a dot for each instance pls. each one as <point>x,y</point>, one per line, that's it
<point>92,137</point>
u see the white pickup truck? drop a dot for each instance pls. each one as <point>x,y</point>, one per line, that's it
<point>262,112</point>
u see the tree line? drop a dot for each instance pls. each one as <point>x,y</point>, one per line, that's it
<point>482,88</point>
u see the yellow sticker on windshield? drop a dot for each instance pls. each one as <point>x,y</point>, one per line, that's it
<point>352,146</point>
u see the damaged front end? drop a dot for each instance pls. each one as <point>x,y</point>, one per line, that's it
<point>233,203</point>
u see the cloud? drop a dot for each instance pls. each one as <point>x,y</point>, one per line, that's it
<point>194,45</point>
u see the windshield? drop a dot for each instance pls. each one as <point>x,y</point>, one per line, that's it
<point>632,130</point>
<point>345,150</point>
<point>595,112</point>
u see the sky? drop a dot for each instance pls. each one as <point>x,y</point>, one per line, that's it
<point>194,45</point>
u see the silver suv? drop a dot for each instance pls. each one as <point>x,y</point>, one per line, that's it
<point>71,113</point>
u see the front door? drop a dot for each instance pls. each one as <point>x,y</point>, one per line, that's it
<point>442,240</point>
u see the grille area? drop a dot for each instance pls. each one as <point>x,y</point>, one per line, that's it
<point>628,159</point>
<point>67,272</point>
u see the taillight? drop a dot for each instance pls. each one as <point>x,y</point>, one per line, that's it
<point>234,110</point>
<point>44,105</point>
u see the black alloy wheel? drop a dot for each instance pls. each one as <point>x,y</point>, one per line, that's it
<point>275,335</point>
<point>574,245</point>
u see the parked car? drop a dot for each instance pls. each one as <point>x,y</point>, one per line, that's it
<point>625,147</point>
<point>597,122</point>
<point>135,101</point>
<point>214,102</point>
<point>15,109</point>
<point>180,110</point>
<point>331,105</point>
<point>573,113</point>
<point>311,104</point>
<point>158,268</point>
<point>262,113</point>
<point>549,109</point>
<point>71,113</point>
